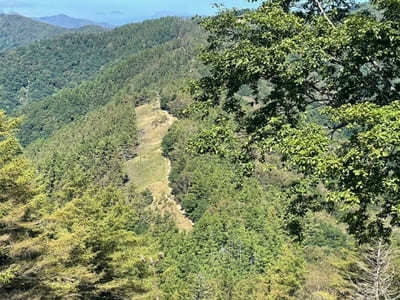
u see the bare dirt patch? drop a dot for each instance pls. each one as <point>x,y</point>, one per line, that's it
<point>150,170</point>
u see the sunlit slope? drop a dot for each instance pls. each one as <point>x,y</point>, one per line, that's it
<point>149,169</point>
<point>16,31</point>
<point>145,72</point>
<point>30,73</point>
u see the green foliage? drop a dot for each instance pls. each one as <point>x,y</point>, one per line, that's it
<point>18,190</point>
<point>217,139</point>
<point>323,56</point>
<point>93,249</point>
<point>306,60</point>
<point>203,164</point>
<point>39,70</point>
<point>308,97</point>
<point>174,143</point>
<point>88,152</point>
<point>239,234</point>
<point>329,274</point>
<point>237,241</point>
<point>90,248</point>
<point>360,172</point>
<point>324,232</point>
<point>165,100</point>
<point>203,181</point>
<point>135,76</point>
<point>390,8</point>
<point>16,175</point>
<point>80,242</point>
<point>296,114</point>
<point>16,31</point>
<point>286,275</point>
<point>8,275</point>
<point>92,236</point>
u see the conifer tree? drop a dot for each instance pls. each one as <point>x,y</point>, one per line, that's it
<point>19,192</point>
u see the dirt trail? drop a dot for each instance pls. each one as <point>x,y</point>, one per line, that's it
<point>150,169</point>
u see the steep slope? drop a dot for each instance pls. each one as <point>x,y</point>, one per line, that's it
<point>102,223</point>
<point>91,213</point>
<point>145,72</point>
<point>89,152</point>
<point>16,31</point>
<point>35,71</point>
<point>91,237</point>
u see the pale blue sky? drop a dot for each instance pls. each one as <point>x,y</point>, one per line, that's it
<point>115,11</point>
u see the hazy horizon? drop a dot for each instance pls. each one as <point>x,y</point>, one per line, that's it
<point>116,12</point>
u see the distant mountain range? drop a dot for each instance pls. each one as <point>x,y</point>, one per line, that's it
<point>17,30</point>
<point>69,22</point>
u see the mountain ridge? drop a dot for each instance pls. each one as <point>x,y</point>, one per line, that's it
<point>65,21</point>
<point>35,71</point>
<point>18,31</point>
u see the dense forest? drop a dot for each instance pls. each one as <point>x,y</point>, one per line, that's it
<point>16,31</point>
<point>33,72</point>
<point>284,156</point>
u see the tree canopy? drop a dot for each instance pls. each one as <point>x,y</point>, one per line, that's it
<point>316,56</point>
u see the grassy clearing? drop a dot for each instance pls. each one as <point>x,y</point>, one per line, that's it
<point>150,169</point>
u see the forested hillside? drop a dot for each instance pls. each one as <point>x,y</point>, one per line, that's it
<point>16,30</point>
<point>80,152</point>
<point>284,157</point>
<point>30,73</point>
<point>287,160</point>
<point>143,73</point>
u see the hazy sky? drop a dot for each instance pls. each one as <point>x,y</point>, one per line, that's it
<point>115,11</point>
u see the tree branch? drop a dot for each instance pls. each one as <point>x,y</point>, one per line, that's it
<point>324,13</point>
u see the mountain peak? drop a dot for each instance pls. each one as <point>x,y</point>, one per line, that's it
<point>63,20</point>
